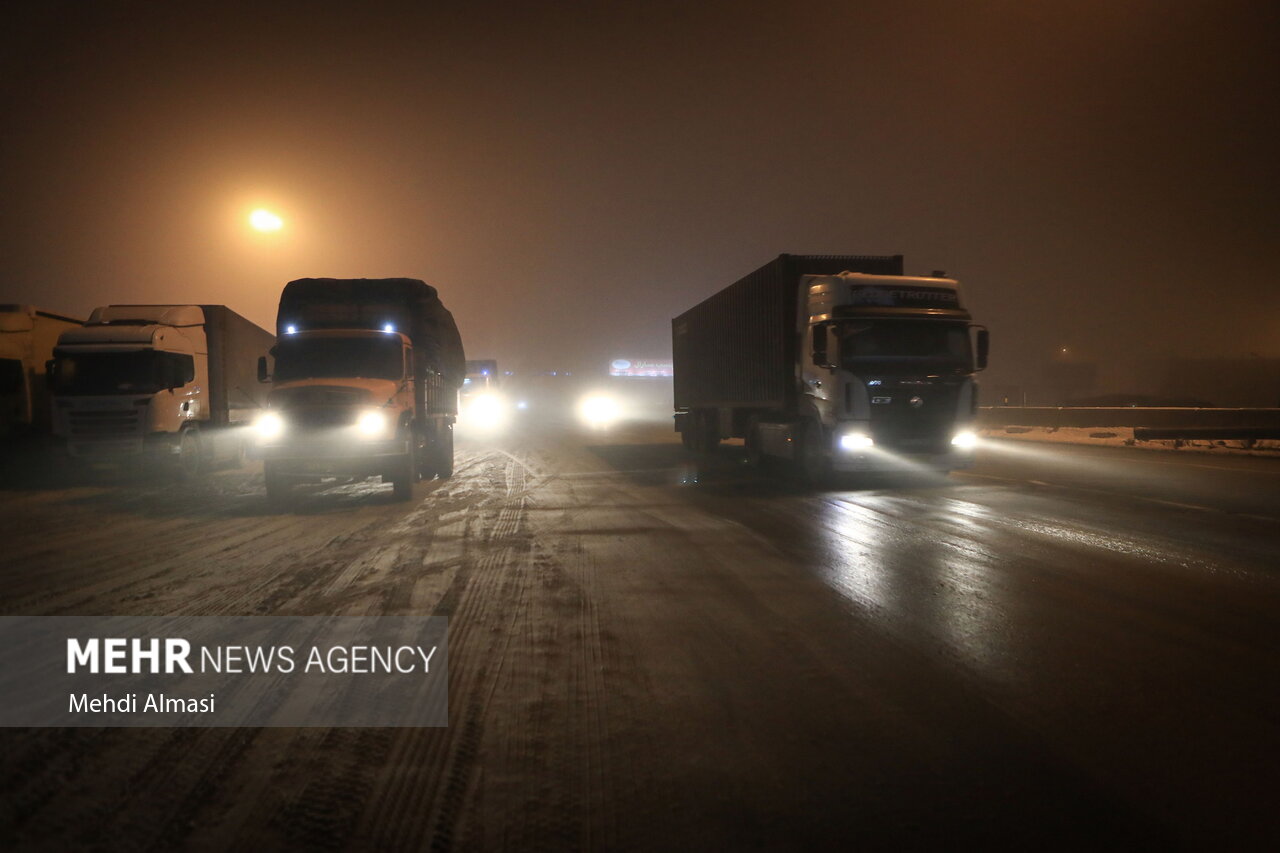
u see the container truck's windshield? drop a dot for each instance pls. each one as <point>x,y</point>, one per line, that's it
<point>131,372</point>
<point>353,358</point>
<point>887,345</point>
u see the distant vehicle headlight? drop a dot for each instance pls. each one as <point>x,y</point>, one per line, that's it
<point>598,410</point>
<point>856,441</point>
<point>484,413</point>
<point>964,439</point>
<point>269,425</point>
<point>486,409</point>
<point>371,423</point>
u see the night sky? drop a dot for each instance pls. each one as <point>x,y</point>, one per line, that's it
<point>1099,175</point>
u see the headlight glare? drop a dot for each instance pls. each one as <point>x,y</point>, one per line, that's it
<point>486,409</point>
<point>372,423</point>
<point>269,425</point>
<point>964,439</point>
<point>598,410</point>
<point>856,441</point>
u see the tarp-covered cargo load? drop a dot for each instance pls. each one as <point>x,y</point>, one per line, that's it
<point>406,305</point>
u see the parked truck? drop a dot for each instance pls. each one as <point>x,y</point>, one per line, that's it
<point>143,383</point>
<point>837,363</point>
<point>365,383</point>
<point>27,338</point>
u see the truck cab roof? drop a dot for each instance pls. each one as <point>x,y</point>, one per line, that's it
<point>147,315</point>
<point>860,294</point>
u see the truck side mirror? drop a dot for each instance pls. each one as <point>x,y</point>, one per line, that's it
<point>820,347</point>
<point>263,376</point>
<point>984,345</point>
<point>51,374</point>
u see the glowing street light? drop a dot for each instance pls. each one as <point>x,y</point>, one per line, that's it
<point>264,220</point>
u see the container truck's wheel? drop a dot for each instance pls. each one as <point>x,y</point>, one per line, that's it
<point>755,455</point>
<point>706,432</point>
<point>812,462</point>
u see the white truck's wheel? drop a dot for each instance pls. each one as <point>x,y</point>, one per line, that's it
<point>191,455</point>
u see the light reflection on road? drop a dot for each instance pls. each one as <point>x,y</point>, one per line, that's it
<point>917,564</point>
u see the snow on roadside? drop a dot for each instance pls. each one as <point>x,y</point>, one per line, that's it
<point>1123,437</point>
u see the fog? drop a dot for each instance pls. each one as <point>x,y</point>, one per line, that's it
<point>1100,176</point>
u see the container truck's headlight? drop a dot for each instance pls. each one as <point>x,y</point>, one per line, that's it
<point>371,423</point>
<point>269,425</point>
<point>598,410</point>
<point>856,441</point>
<point>964,440</point>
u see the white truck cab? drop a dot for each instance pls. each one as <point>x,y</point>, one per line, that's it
<point>890,365</point>
<point>155,380</point>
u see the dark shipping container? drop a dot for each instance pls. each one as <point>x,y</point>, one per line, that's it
<point>737,348</point>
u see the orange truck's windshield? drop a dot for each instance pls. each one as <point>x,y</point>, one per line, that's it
<point>359,357</point>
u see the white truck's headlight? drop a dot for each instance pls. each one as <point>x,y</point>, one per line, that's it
<point>371,423</point>
<point>964,439</point>
<point>856,441</point>
<point>269,425</point>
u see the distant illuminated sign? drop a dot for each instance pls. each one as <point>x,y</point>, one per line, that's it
<point>640,367</point>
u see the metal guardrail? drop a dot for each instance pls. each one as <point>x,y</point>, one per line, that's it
<point>1148,424</point>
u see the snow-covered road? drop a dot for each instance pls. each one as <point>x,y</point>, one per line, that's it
<point>1066,647</point>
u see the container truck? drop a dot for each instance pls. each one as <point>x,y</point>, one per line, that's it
<point>27,338</point>
<point>158,382</point>
<point>365,383</point>
<point>837,363</point>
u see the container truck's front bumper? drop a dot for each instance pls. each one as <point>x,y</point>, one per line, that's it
<point>851,462</point>
<point>856,447</point>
